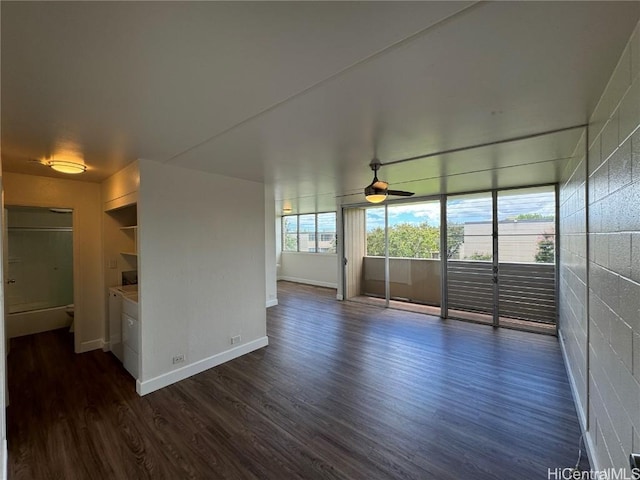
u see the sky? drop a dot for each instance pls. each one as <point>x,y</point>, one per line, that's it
<point>467,208</point>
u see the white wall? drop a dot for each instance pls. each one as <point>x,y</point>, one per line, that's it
<point>201,271</point>
<point>600,318</point>
<point>88,282</point>
<point>312,268</point>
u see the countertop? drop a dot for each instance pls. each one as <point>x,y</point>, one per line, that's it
<point>131,297</point>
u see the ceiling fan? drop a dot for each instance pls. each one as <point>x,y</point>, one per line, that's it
<point>378,190</point>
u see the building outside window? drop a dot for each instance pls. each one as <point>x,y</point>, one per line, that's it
<point>311,233</point>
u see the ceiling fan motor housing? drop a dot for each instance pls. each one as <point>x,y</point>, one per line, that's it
<point>378,190</point>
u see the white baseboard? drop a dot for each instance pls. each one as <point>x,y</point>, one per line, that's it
<point>582,416</point>
<point>200,366</point>
<point>306,281</point>
<point>91,345</point>
<point>591,452</point>
<point>272,303</point>
<point>572,383</point>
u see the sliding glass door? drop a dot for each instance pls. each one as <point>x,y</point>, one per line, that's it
<point>527,246</point>
<point>470,255</point>
<point>501,258</point>
<point>496,266</point>
<point>393,253</point>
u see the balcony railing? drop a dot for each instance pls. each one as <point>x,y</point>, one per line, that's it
<point>527,290</point>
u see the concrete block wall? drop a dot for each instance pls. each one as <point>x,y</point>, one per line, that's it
<point>610,331</point>
<point>573,274</point>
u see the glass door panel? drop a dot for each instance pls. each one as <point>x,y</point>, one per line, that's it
<point>526,242</point>
<point>414,252</point>
<point>409,277</point>
<point>470,282</point>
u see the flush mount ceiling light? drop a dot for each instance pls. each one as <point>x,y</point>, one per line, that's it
<point>65,166</point>
<point>287,210</point>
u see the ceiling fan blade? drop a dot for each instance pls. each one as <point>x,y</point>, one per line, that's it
<point>400,193</point>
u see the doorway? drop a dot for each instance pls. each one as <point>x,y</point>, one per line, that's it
<point>39,279</point>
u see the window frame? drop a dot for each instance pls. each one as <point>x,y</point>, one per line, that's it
<point>316,234</point>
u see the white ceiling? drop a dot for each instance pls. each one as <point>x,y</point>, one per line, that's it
<point>301,95</point>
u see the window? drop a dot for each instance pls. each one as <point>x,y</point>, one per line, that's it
<point>290,233</point>
<point>307,233</point>
<point>527,225</point>
<point>413,230</point>
<point>313,233</point>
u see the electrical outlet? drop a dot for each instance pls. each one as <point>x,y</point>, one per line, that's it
<point>178,358</point>
<point>235,339</point>
<point>112,264</point>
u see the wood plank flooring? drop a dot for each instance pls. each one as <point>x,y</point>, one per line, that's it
<point>343,391</point>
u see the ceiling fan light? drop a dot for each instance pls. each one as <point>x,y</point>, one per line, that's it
<point>374,195</point>
<point>64,166</point>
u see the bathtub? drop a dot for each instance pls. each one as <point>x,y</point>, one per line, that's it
<point>36,321</point>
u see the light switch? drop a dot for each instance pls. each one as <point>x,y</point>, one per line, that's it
<point>112,263</point>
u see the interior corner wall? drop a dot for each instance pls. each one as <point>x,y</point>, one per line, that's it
<point>201,271</point>
<point>85,200</point>
<point>600,293</point>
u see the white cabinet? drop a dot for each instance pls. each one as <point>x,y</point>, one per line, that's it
<point>130,336</point>
<point>124,331</point>
<point>115,322</point>
<point>121,189</point>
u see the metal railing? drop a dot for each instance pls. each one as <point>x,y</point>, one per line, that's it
<point>526,290</point>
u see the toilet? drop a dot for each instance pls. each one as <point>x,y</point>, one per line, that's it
<point>69,309</point>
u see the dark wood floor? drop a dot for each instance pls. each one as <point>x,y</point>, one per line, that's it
<point>344,390</point>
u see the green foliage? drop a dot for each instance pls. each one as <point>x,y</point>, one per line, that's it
<point>533,216</point>
<point>455,238</point>
<point>412,241</point>
<point>546,249</point>
<point>290,242</point>
<point>290,228</point>
<point>375,242</point>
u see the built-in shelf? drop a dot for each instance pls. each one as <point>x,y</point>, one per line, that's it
<point>130,239</point>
